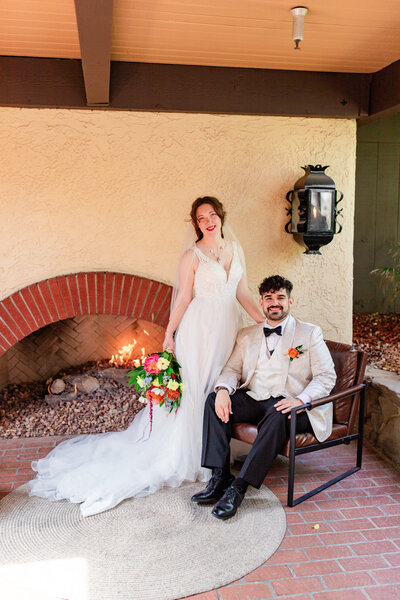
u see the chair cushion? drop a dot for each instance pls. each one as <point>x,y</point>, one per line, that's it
<point>307,439</point>
<point>346,369</point>
<point>245,432</point>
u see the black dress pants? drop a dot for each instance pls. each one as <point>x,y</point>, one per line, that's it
<point>273,430</point>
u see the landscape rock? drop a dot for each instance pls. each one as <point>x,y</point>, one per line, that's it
<point>118,375</point>
<point>89,385</point>
<point>57,387</point>
<point>55,399</point>
<point>382,422</point>
<point>84,383</point>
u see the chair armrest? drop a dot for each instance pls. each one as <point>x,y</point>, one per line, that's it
<point>351,391</point>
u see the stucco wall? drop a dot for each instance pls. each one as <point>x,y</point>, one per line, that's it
<point>102,190</point>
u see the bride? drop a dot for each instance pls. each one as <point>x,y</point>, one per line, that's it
<point>99,471</point>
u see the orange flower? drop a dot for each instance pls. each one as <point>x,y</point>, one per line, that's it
<point>173,394</point>
<point>154,396</point>
<point>293,353</point>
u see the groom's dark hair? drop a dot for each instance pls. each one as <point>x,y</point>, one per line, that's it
<point>274,284</point>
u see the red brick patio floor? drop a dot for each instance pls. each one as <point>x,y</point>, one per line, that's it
<point>353,554</point>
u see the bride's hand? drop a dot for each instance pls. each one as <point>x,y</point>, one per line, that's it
<point>169,344</point>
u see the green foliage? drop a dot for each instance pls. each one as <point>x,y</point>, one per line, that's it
<point>390,276</point>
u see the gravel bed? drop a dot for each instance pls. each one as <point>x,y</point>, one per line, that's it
<point>25,413</point>
<point>379,335</point>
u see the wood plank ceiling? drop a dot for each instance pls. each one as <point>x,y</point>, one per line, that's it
<point>168,54</point>
<point>356,36</point>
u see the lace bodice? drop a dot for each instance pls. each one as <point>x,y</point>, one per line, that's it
<point>211,279</point>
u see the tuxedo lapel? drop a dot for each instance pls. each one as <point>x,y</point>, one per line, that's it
<point>283,346</point>
<point>253,349</point>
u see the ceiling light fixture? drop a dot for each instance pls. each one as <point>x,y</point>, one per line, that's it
<point>298,14</point>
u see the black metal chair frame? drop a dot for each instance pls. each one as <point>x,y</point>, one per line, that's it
<point>293,451</point>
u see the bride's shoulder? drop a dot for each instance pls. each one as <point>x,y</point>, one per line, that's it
<point>237,246</point>
<point>199,253</point>
<point>189,258</point>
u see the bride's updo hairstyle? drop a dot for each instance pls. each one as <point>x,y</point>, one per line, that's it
<point>218,207</point>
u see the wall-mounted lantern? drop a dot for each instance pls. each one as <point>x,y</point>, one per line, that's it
<point>313,209</point>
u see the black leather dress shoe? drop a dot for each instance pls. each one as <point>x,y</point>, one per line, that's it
<point>227,507</point>
<point>216,488</point>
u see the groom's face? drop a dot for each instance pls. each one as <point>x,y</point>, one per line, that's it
<point>276,305</point>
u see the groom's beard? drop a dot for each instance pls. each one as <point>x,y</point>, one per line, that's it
<point>278,315</point>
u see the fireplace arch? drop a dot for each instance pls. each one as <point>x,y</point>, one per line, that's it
<point>79,294</point>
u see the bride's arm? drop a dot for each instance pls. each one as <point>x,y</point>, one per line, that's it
<point>244,296</point>
<point>246,300</point>
<point>187,270</point>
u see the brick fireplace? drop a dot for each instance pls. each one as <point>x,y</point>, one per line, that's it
<point>90,314</point>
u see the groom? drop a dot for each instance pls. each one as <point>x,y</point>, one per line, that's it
<point>260,384</point>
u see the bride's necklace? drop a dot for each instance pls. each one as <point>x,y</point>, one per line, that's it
<point>217,253</point>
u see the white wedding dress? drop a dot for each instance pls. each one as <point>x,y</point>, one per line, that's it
<point>101,470</point>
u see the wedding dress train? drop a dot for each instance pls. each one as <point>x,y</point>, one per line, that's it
<point>101,470</point>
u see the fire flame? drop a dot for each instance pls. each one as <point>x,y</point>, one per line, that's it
<point>314,210</point>
<point>124,356</point>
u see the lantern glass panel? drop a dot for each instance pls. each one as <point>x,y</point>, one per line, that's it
<point>295,213</point>
<point>320,210</point>
<point>299,212</point>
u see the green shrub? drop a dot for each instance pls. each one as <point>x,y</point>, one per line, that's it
<point>390,276</point>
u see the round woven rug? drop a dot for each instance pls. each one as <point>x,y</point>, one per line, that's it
<point>161,547</point>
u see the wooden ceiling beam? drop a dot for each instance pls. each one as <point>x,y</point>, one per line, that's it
<point>41,82</point>
<point>58,83</point>
<point>231,90</point>
<point>94,19</point>
<point>385,92</point>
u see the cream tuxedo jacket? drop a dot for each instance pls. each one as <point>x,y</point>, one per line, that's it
<point>313,372</point>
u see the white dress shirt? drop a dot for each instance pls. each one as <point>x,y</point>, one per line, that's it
<point>273,339</point>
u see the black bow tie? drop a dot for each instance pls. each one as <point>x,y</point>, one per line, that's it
<point>268,331</point>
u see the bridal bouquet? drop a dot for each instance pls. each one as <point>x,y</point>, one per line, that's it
<point>158,381</point>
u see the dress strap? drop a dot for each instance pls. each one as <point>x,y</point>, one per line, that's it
<point>200,255</point>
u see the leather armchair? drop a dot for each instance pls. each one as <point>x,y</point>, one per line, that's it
<point>348,397</point>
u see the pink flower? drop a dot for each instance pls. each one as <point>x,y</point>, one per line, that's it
<point>150,364</point>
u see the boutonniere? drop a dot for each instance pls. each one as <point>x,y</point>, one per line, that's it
<point>293,353</point>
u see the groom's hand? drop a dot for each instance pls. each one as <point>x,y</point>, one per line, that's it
<point>286,404</point>
<point>223,405</point>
